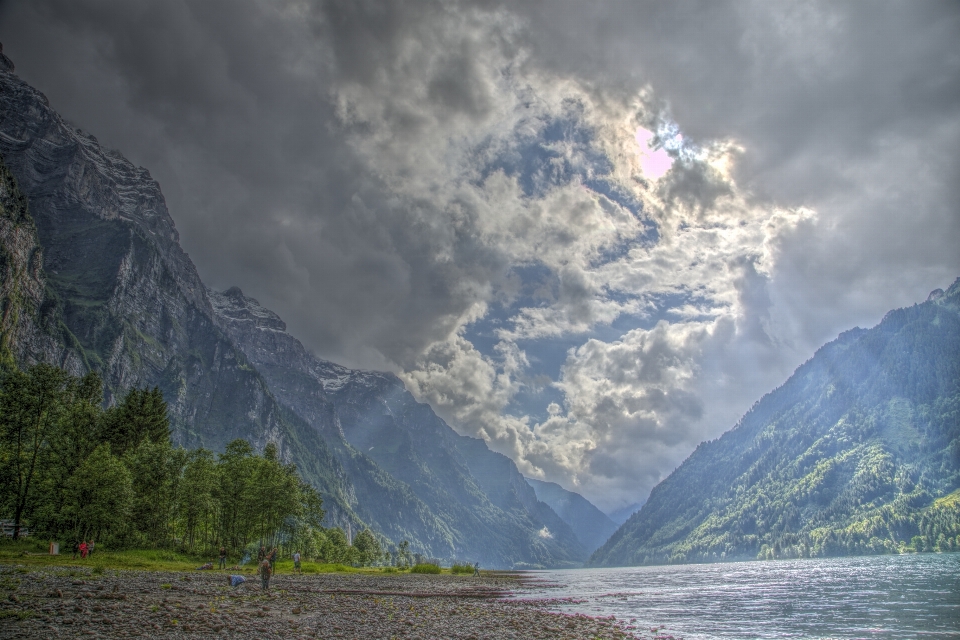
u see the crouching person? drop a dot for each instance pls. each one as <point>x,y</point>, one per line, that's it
<point>265,570</point>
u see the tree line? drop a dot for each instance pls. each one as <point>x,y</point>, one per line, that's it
<point>74,470</point>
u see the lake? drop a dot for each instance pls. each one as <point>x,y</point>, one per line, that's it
<point>907,596</point>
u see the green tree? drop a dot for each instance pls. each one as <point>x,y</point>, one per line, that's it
<point>335,547</point>
<point>235,493</point>
<point>196,508</point>
<point>403,554</point>
<point>141,414</point>
<point>31,408</point>
<point>99,496</point>
<point>71,441</point>
<point>275,494</point>
<point>367,547</point>
<point>154,472</point>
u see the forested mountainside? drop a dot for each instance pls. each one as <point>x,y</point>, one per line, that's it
<point>94,279</point>
<point>857,453</point>
<point>591,526</point>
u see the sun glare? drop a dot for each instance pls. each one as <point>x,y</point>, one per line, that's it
<point>653,162</point>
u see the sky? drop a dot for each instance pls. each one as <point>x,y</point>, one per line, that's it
<point>591,233</point>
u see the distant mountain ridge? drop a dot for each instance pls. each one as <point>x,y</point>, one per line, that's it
<point>623,514</point>
<point>412,474</point>
<point>857,453</point>
<point>591,526</point>
<point>93,278</point>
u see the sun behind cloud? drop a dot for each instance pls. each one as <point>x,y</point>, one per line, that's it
<point>653,162</point>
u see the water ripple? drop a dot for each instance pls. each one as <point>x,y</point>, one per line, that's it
<point>909,596</point>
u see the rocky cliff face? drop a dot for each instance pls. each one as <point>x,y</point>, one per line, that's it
<point>30,328</point>
<point>123,297</point>
<point>112,291</point>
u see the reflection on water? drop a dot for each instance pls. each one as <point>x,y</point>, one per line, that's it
<point>909,596</point>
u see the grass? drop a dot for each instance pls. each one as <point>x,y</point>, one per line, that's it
<point>22,614</point>
<point>461,568</point>
<point>29,554</point>
<point>425,568</point>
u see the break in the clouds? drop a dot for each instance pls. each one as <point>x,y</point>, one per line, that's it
<point>590,233</point>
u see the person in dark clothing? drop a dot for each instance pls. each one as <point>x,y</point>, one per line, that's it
<point>265,571</point>
<point>272,557</point>
<point>261,555</point>
<point>223,558</point>
<point>476,569</point>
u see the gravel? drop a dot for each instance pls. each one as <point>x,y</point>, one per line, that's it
<point>72,603</point>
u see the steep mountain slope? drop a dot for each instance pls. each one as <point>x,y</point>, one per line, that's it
<point>414,477</point>
<point>591,526</point>
<point>858,452</point>
<point>623,514</point>
<point>122,298</point>
<point>30,328</point>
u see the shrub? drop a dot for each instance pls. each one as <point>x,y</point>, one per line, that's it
<point>461,568</point>
<point>425,568</point>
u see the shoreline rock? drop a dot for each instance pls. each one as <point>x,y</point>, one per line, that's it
<point>62,602</point>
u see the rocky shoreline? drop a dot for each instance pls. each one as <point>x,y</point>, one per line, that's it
<point>62,602</point>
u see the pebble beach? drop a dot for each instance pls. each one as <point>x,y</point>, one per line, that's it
<point>69,603</point>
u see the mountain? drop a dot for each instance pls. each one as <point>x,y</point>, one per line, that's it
<point>857,453</point>
<point>93,278</point>
<point>623,514</point>
<point>591,526</point>
<point>413,475</point>
<point>111,290</point>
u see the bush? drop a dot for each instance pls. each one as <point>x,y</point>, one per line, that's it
<point>461,568</point>
<point>425,568</point>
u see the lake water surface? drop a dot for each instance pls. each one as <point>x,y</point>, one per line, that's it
<point>908,596</point>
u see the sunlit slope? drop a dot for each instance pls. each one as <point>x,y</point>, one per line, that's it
<point>854,454</point>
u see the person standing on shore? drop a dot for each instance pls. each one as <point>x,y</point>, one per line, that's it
<point>296,562</point>
<point>83,550</point>
<point>76,549</point>
<point>265,571</point>
<point>90,548</point>
<point>476,569</point>
<point>223,558</point>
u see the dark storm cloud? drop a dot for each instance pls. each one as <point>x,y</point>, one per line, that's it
<point>230,106</point>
